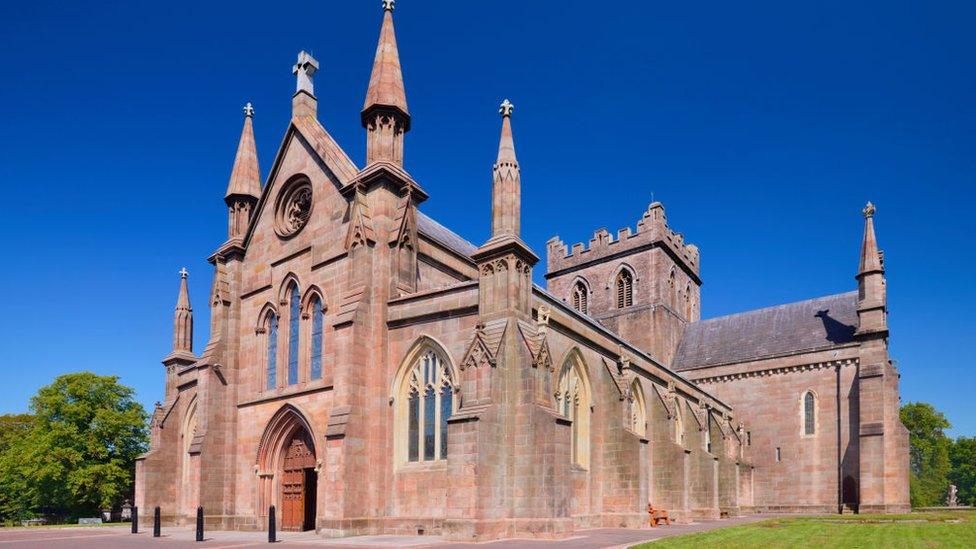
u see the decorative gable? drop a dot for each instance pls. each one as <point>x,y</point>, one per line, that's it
<point>360,232</point>
<point>484,347</point>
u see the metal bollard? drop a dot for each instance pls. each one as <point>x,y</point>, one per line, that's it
<point>199,523</point>
<point>135,519</point>
<point>272,525</point>
<point>156,522</point>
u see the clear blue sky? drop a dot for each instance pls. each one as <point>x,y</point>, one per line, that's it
<point>762,126</point>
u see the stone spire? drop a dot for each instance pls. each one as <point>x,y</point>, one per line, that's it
<point>183,319</point>
<point>385,115</point>
<point>244,187</point>
<point>871,306</point>
<point>506,188</point>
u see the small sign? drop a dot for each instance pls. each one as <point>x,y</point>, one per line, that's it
<point>95,520</point>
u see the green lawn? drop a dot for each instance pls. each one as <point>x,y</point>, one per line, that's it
<point>939,529</point>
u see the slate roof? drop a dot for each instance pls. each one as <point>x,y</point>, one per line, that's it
<point>811,325</point>
<point>443,235</point>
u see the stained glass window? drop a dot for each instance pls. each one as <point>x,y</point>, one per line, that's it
<point>316,359</point>
<point>293,336</point>
<point>430,405</point>
<point>272,351</point>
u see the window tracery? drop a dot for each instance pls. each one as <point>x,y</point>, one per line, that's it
<point>429,391</point>
<point>573,402</point>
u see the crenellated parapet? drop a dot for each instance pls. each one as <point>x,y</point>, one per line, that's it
<point>652,230</point>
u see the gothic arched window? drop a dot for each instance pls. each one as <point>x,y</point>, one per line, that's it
<point>315,367</point>
<point>625,289</point>
<point>809,413</point>
<point>673,289</point>
<point>272,335</point>
<point>429,392</point>
<point>573,401</point>
<point>580,297</point>
<point>294,313</point>
<point>688,303</point>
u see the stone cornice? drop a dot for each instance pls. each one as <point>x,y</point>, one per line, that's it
<point>766,372</point>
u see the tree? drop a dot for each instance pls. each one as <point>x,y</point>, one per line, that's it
<point>78,454</point>
<point>962,457</point>
<point>929,453</point>
<point>13,427</point>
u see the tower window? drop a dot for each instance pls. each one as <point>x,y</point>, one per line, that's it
<point>625,289</point>
<point>579,297</point>
<point>779,455</point>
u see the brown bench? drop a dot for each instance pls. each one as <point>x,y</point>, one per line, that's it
<point>656,516</point>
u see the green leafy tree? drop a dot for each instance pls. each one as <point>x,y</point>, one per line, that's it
<point>13,427</point>
<point>962,457</point>
<point>79,452</point>
<point>929,453</point>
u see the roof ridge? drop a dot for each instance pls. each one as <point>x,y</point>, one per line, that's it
<point>772,307</point>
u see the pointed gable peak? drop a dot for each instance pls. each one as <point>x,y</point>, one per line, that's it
<point>506,143</point>
<point>245,177</point>
<point>386,81</point>
<point>870,256</point>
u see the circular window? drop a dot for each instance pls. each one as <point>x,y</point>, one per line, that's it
<point>293,208</point>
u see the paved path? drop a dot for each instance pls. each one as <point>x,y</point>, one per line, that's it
<point>119,536</point>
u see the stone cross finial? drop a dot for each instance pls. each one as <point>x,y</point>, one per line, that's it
<point>388,5</point>
<point>869,210</point>
<point>184,273</point>
<point>248,110</point>
<point>506,108</point>
<point>304,69</point>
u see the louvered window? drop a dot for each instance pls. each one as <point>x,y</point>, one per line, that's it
<point>580,298</point>
<point>625,289</point>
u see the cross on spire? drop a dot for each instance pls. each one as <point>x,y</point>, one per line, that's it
<point>183,272</point>
<point>869,210</point>
<point>506,108</point>
<point>304,68</point>
<point>388,5</point>
<point>248,110</point>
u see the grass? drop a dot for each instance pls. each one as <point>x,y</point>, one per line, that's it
<point>937,529</point>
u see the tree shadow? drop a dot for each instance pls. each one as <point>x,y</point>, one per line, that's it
<point>837,331</point>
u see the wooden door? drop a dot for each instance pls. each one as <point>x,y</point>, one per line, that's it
<point>294,488</point>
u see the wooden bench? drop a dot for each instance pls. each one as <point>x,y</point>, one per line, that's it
<point>656,516</point>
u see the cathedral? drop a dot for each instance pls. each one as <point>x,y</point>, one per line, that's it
<point>370,371</point>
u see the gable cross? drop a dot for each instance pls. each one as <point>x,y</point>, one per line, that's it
<point>304,68</point>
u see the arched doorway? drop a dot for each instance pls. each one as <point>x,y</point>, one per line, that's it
<point>287,470</point>
<point>298,483</point>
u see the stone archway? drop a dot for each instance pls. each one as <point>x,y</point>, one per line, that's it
<point>287,470</point>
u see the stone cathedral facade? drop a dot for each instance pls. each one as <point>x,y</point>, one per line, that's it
<point>370,371</point>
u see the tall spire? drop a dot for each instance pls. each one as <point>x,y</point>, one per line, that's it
<point>244,187</point>
<point>871,285</point>
<point>870,257</point>
<point>507,181</point>
<point>385,115</point>
<point>183,318</point>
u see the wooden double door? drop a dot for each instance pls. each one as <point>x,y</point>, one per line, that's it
<point>298,485</point>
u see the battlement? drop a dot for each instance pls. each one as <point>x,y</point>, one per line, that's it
<point>652,230</point>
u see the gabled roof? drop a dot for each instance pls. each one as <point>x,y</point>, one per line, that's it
<point>442,235</point>
<point>811,325</point>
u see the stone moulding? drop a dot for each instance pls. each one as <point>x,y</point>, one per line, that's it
<point>776,371</point>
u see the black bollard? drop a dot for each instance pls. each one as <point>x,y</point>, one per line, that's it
<point>199,523</point>
<point>272,525</point>
<point>156,522</point>
<point>135,520</point>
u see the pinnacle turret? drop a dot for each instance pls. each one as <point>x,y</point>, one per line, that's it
<point>244,187</point>
<point>183,318</point>
<point>385,115</point>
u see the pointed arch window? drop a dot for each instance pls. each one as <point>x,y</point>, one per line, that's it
<point>809,414</point>
<point>625,289</point>
<point>429,393</point>
<point>272,368</point>
<point>673,289</point>
<point>573,401</point>
<point>688,302</point>
<point>294,313</point>
<point>580,297</point>
<point>315,367</point>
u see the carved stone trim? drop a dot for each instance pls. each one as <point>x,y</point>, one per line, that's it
<point>775,371</point>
